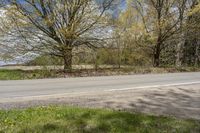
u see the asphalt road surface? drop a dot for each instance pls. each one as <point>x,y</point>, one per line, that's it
<point>45,87</point>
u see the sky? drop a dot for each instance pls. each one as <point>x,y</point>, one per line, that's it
<point>6,63</point>
<point>2,63</point>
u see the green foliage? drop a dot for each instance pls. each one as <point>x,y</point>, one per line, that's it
<point>11,74</point>
<point>195,10</point>
<point>45,61</point>
<point>81,120</point>
<point>107,56</point>
<point>127,56</point>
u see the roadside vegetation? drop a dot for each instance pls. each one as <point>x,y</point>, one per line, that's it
<point>26,74</point>
<point>18,74</point>
<point>81,120</point>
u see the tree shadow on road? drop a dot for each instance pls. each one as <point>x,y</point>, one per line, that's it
<point>180,102</point>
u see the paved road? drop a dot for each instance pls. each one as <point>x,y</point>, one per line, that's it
<point>44,87</point>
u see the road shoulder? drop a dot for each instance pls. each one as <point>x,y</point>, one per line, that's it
<point>179,101</point>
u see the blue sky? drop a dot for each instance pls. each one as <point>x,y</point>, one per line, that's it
<point>6,63</point>
<point>2,63</point>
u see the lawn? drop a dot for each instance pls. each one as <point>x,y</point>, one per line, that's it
<point>54,119</point>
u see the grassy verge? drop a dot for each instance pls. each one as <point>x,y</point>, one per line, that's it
<point>80,120</point>
<point>6,74</point>
<point>26,74</point>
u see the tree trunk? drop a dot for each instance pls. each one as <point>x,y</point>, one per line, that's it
<point>157,49</point>
<point>179,53</point>
<point>179,47</point>
<point>68,60</point>
<point>197,55</point>
<point>119,58</point>
<point>156,60</point>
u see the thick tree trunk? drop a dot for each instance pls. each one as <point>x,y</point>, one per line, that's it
<point>156,58</point>
<point>156,61</point>
<point>68,60</point>
<point>157,49</point>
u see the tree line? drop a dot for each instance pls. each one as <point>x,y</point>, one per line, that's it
<point>139,32</point>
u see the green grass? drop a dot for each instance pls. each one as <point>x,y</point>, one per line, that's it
<point>60,119</point>
<point>25,74</point>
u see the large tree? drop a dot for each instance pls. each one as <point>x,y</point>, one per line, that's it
<point>192,38</point>
<point>55,27</point>
<point>162,20</point>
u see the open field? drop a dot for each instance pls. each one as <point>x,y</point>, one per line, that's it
<point>21,67</point>
<point>55,67</point>
<point>82,120</point>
